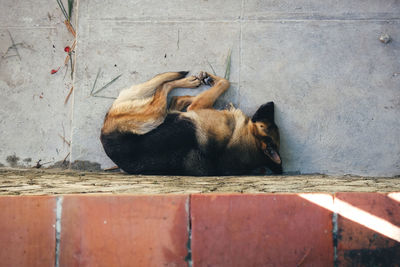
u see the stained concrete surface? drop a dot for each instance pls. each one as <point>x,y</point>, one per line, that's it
<point>56,181</point>
<point>335,85</point>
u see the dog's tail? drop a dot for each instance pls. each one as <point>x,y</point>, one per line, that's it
<point>159,79</point>
<point>167,77</point>
<point>148,88</point>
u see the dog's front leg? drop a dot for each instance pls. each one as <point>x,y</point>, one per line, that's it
<point>207,98</point>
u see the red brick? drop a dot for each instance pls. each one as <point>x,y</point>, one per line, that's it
<point>260,230</point>
<point>124,230</point>
<point>27,235</point>
<point>358,244</point>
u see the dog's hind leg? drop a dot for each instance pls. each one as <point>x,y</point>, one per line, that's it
<point>180,103</point>
<point>140,115</point>
<point>156,110</point>
<point>147,89</point>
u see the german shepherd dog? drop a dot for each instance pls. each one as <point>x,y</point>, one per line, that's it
<point>142,136</point>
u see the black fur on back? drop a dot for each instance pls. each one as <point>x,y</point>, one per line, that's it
<point>160,151</point>
<point>172,149</point>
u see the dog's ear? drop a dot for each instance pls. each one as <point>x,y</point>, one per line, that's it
<point>264,113</point>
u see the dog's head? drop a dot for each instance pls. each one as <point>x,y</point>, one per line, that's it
<point>267,135</point>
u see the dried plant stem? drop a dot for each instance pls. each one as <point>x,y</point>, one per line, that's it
<point>14,45</point>
<point>72,49</point>
<point>95,81</point>
<point>209,64</point>
<point>66,70</point>
<point>102,96</point>
<point>61,5</point>
<point>70,7</point>
<point>72,66</point>
<point>108,84</point>
<point>111,169</point>
<point>65,140</point>
<point>69,94</point>
<point>70,28</point>
<point>95,94</point>
<point>65,159</point>
<point>228,65</point>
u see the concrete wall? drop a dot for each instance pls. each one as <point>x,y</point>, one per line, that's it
<point>336,86</point>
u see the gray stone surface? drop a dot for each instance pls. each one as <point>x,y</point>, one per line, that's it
<point>32,111</point>
<point>335,85</point>
<point>321,10</point>
<point>173,10</point>
<point>336,97</point>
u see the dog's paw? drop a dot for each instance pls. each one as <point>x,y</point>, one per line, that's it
<point>191,82</point>
<point>207,78</point>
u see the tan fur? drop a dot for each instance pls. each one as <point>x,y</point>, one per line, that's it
<point>228,127</point>
<point>207,141</point>
<point>141,108</point>
<point>146,89</point>
<point>261,129</point>
<point>180,103</point>
<point>204,100</point>
<point>138,115</point>
<point>207,98</point>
